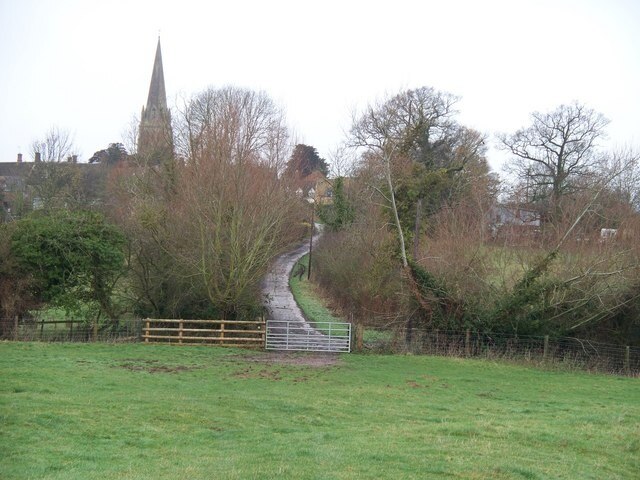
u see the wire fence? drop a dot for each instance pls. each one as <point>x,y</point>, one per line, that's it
<point>564,351</point>
<point>44,330</point>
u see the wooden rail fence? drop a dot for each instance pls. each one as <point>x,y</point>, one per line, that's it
<point>226,333</point>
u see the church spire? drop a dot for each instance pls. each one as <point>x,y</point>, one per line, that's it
<point>157,95</point>
<point>154,136</point>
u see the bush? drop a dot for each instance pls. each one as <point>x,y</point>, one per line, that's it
<point>358,268</point>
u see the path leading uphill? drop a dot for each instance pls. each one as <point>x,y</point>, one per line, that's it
<point>279,301</point>
<point>281,306</point>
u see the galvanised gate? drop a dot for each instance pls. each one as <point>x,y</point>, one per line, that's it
<point>306,337</point>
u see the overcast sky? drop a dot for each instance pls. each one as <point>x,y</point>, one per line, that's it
<point>85,66</point>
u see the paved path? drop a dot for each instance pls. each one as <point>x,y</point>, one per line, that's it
<point>282,307</point>
<point>279,300</point>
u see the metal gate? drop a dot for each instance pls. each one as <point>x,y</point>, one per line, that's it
<point>316,337</point>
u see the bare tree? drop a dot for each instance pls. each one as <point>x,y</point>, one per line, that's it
<point>230,212</point>
<point>232,123</point>
<point>626,185</point>
<point>556,154</point>
<point>341,161</point>
<point>130,135</point>
<point>54,179</point>
<point>56,146</point>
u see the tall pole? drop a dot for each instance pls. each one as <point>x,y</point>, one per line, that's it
<point>313,210</point>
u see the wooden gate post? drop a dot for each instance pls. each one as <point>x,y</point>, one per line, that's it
<point>359,337</point>
<point>180,331</point>
<point>146,331</point>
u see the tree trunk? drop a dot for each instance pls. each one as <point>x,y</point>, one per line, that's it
<point>403,251</point>
<point>416,229</point>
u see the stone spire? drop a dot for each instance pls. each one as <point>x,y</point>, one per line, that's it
<point>157,99</point>
<point>154,136</point>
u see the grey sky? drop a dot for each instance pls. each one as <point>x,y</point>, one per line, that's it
<point>85,66</point>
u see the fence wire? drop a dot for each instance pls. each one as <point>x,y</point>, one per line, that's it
<point>73,331</point>
<point>564,351</point>
<point>570,352</point>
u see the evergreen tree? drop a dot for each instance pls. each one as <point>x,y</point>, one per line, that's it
<point>340,213</point>
<point>304,161</point>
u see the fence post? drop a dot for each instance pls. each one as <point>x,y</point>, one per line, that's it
<point>359,337</point>
<point>627,363</point>
<point>16,327</point>
<point>146,331</point>
<point>467,343</point>
<point>545,352</point>
<point>180,331</point>
<point>222,333</point>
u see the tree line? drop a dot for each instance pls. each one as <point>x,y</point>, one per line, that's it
<point>420,232</point>
<point>438,241</point>
<point>186,235</point>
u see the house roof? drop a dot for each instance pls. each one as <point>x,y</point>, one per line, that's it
<point>15,169</point>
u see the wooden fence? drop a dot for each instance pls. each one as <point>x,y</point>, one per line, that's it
<point>226,333</point>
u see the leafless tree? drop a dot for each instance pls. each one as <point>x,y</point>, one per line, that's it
<point>341,161</point>
<point>130,135</point>
<point>232,123</point>
<point>626,184</point>
<point>54,179</point>
<point>56,146</point>
<point>557,154</point>
<point>210,237</point>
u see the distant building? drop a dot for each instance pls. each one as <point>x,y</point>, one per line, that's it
<point>317,186</point>
<point>516,224</point>
<point>155,139</point>
<point>13,198</point>
<point>27,186</point>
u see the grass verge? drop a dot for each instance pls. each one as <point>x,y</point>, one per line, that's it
<point>135,411</point>
<point>311,305</point>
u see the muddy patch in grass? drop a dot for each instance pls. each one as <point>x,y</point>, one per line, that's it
<point>275,373</point>
<point>296,359</point>
<point>262,373</point>
<point>293,367</point>
<point>153,366</point>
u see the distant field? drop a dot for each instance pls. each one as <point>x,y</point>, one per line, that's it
<point>134,411</point>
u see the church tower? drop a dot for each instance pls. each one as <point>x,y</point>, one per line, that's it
<point>155,139</point>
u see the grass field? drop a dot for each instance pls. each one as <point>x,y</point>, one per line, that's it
<point>135,411</point>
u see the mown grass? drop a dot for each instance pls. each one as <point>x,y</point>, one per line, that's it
<point>135,411</point>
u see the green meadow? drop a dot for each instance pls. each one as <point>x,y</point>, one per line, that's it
<point>135,411</point>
